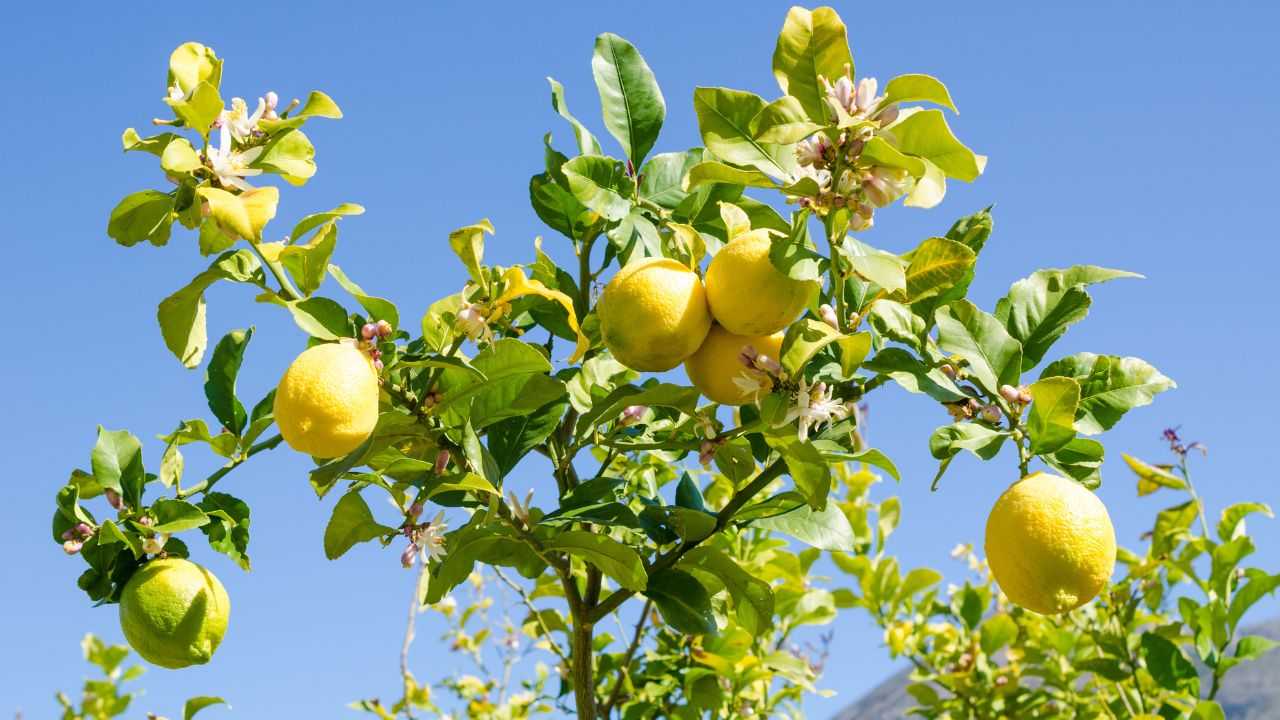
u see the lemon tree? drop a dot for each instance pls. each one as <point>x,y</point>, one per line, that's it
<point>754,260</point>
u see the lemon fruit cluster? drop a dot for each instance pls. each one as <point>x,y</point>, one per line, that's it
<point>1050,543</point>
<point>174,613</point>
<point>327,402</point>
<point>657,313</point>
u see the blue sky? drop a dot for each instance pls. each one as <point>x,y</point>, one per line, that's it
<point>1119,135</point>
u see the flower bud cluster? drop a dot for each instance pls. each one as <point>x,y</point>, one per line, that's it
<point>844,177</point>
<point>74,538</point>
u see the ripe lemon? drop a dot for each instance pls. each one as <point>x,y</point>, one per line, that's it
<point>716,365</point>
<point>654,314</point>
<point>327,401</point>
<point>174,613</point>
<point>747,294</point>
<point>1050,543</point>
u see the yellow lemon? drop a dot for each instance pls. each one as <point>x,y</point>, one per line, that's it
<point>1050,543</point>
<point>174,613</point>
<point>747,294</point>
<point>716,370</point>
<point>654,314</point>
<point>327,401</point>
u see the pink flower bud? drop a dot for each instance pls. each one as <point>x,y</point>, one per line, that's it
<point>768,364</point>
<point>828,315</point>
<point>383,328</point>
<point>377,366</point>
<point>991,414</point>
<point>442,462</point>
<point>146,521</point>
<point>1010,393</point>
<point>114,499</point>
<point>272,99</point>
<point>747,356</point>
<point>71,547</point>
<point>415,510</point>
<point>83,530</point>
<point>887,115</point>
<point>631,414</point>
<point>368,331</point>
<point>409,555</point>
<point>707,451</point>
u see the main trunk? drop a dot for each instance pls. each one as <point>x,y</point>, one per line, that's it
<point>584,683</point>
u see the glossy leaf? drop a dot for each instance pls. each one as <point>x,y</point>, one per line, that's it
<point>1050,423</point>
<point>1110,386</point>
<point>587,144</point>
<point>630,100</point>
<point>682,601</point>
<point>724,120</point>
<point>927,135</point>
<point>918,88</point>
<point>994,357</point>
<point>220,380</point>
<point>614,559</point>
<point>351,523</point>
<point>812,46</point>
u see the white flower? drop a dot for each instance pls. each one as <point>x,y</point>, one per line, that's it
<point>232,166</point>
<point>751,383</point>
<point>812,150</point>
<point>843,93</point>
<point>883,185</point>
<point>272,100</point>
<point>242,123</point>
<point>471,322</point>
<point>960,550</point>
<point>518,509</point>
<point>815,406</point>
<point>431,537</point>
<point>865,98</point>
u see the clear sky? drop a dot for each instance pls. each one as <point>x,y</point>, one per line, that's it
<point>1142,136</point>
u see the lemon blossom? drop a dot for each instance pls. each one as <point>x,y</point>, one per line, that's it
<point>229,166</point>
<point>815,406</point>
<point>751,383</point>
<point>431,537</point>
<point>242,124</point>
<point>471,322</point>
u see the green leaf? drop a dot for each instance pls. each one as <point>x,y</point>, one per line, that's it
<point>1080,459</point>
<point>601,184</point>
<point>1208,710</point>
<point>926,134</point>
<point>636,233</point>
<point>630,100</point>
<point>198,703</point>
<point>803,340</point>
<point>653,394</point>
<point>1038,309</point>
<point>1104,667</point>
<point>116,461</point>
<point>614,559</point>
<point>996,632</point>
<point>936,266</point>
<point>1252,647</point>
<point>291,154</point>
<point>228,527</point>
<point>174,516</point>
<point>994,357</point>
<point>320,317</point>
<point>306,262</point>
<point>918,580</point>
<point>808,469</point>
<point>782,121</point>
<point>179,157</point>
<point>1050,423</point>
<point>315,220</point>
<point>513,438</point>
<point>662,178</point>
<point>1232,521</point>
<point>682,601</point>
<point>752,597</point>
<point>980,440</point>
<point>711,172</point>
<point>378,308</point>
<point>182,314</point>
<point>884,269</point>
<point>1110,386</point>
<point>1152,477</point>
<point>468,244</point>
<point>918,88</point>
<point>1257,584</point>
<point>244,215</point>
<point>812,46</point>
<point>558,208</point>
<point>1167,665</point>
<point>974,230</point>
<point>220,380</point>
<point>826,529</point>
<point>144,215</point>
<point>513,381</point>
<point>897,322</point>
<point>318,104</point>
<point>351,523</point>
<point>587,144</point>
<point>724,121</point>
<point>191,64</point>
<point>199,109</point>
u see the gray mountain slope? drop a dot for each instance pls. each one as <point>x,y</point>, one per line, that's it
<point>1249,692</point>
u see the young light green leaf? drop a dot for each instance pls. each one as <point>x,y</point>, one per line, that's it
<point>315,220</point>
<point>1053,410</point>
<point>662,178</point>
<point>980,440</point>
<point>1152,477</point>
<point>144,215</point>
<point>782,121</point>
<point>1231,524</point>
<point>752,597</point>
<point>812,46</point>
<point>808,469</point>
<point>926,134</point>
<point>630,99</point>
<point>173,516</point>
<point>198,703</point>
<point>601,184</point>
<point>918,88</point>
<point>826,529</point>
<point>306,262</point>
<point>936,266</point>
<point>712,172</point>
<point>378,308</point>
<point>1038,309</point>
<point>1080,459</point>
<point>290,154</point>
<point>468,244</point>
<point>803,340</point>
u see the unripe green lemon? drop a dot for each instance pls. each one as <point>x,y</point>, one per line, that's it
<point>327,402</point>
<point>174,613</point>
<point>747,294</point>
<point>1050,543</point>
<point>654,314</point>
<point>716,365</point>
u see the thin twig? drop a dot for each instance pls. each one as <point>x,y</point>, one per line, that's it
<point>405,677</point>
<point>627,660</point>
<point>537,614</point>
